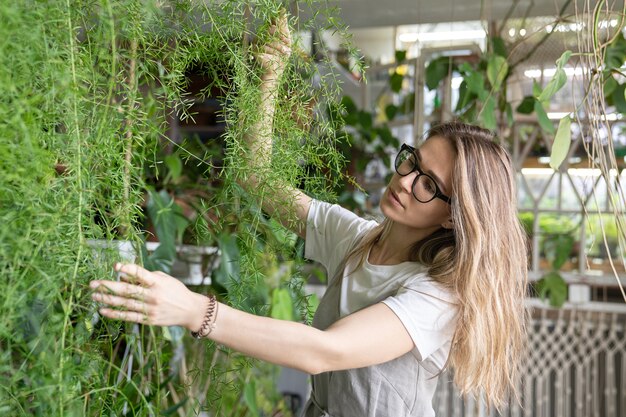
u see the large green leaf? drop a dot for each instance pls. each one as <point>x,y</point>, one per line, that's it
<point>169,224</point>
<point>249,397</point>
<point>475,82</point>
<point>488,114</point>
<point>558,249</point>
<point>464,96</point>
<point>499,47</point>
<point>527,106</point>
<point>400,56</point>
<point>228,269</point>
<point>497,68</point>
<point>536,89</point>
<point>563,59</point>
<point>174,166</point>
<point>615,53</point>
<point>561,144</point>
<point>558,81</point>
<point>395,81</point>
<point>619,101</point>
<point>553,285</point>
<point>348,104</point>
<point>365,120</point>
<point>387,137</point>
<point>351,112</point>
<point>609,84</point>
<point>542,118</point>
<point>437,70</point>
<point>391,111</point>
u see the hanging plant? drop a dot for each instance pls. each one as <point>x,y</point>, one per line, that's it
<point>86,90</point>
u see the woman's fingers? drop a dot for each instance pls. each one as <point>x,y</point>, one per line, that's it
<point>142,275</point>
<point>131,304</point>
<point>124,315</point>
<point>279,51</point>
<point>120,288</point>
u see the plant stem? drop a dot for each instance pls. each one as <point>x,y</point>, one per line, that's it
<point>79,218</point>
<point>128,139</point>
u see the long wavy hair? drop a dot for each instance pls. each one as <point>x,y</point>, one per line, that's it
<point>482,260</point>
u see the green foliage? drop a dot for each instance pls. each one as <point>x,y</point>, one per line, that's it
<point>599,228</point>
<point>497,69</point>
<point>558,80</point>
<point>542,118</point>
<point>437,70</point>
<point>85,92</point>
<point>562,141</point>
<point>553,287</point>
<point>557,244</point>
<point>482,93</point>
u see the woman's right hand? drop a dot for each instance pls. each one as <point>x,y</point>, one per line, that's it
<point>274,55</point>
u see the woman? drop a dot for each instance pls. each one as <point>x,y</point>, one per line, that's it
<point>440,281</point>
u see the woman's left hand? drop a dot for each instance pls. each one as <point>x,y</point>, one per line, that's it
<point>149,297</point>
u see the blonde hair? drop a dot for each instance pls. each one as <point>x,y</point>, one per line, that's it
<point>482,260</point>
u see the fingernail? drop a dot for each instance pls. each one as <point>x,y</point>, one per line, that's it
<point>118,266</point>
<point>93,284</point>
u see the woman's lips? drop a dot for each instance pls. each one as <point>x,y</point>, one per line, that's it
<point>395,199</point>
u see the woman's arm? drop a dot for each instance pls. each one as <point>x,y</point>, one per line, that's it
<point>370,336</point>
<point>284,201</point>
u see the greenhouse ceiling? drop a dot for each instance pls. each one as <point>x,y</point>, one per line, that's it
<point>371,13</point>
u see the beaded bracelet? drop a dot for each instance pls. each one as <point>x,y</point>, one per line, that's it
<point>208,324</point>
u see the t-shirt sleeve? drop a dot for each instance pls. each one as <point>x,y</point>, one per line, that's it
<point>428,314</point>
<point>331,232</point>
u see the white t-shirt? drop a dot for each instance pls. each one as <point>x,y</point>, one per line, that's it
<point>426,310</point>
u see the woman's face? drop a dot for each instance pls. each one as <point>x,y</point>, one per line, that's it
<point>435,157</point>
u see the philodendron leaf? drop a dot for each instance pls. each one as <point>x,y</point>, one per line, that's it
<point>565,56</point>
<point>437,70</point>
<point>561,143</point>
<point>488,113</point>
<point>475,82</point>
<point>497,68</point>
<point>558,81</point>
<point>553,286</point>
<point>542,118</point>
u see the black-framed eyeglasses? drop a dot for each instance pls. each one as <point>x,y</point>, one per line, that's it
<point>424,187</point>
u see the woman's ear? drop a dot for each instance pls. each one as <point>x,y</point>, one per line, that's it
<point>448,224</point>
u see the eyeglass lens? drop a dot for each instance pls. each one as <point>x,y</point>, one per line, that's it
<point>424,188</point>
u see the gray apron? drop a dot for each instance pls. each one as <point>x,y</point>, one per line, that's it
<point>398,388</point>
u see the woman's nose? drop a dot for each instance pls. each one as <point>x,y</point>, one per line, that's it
<point>406,181</point>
